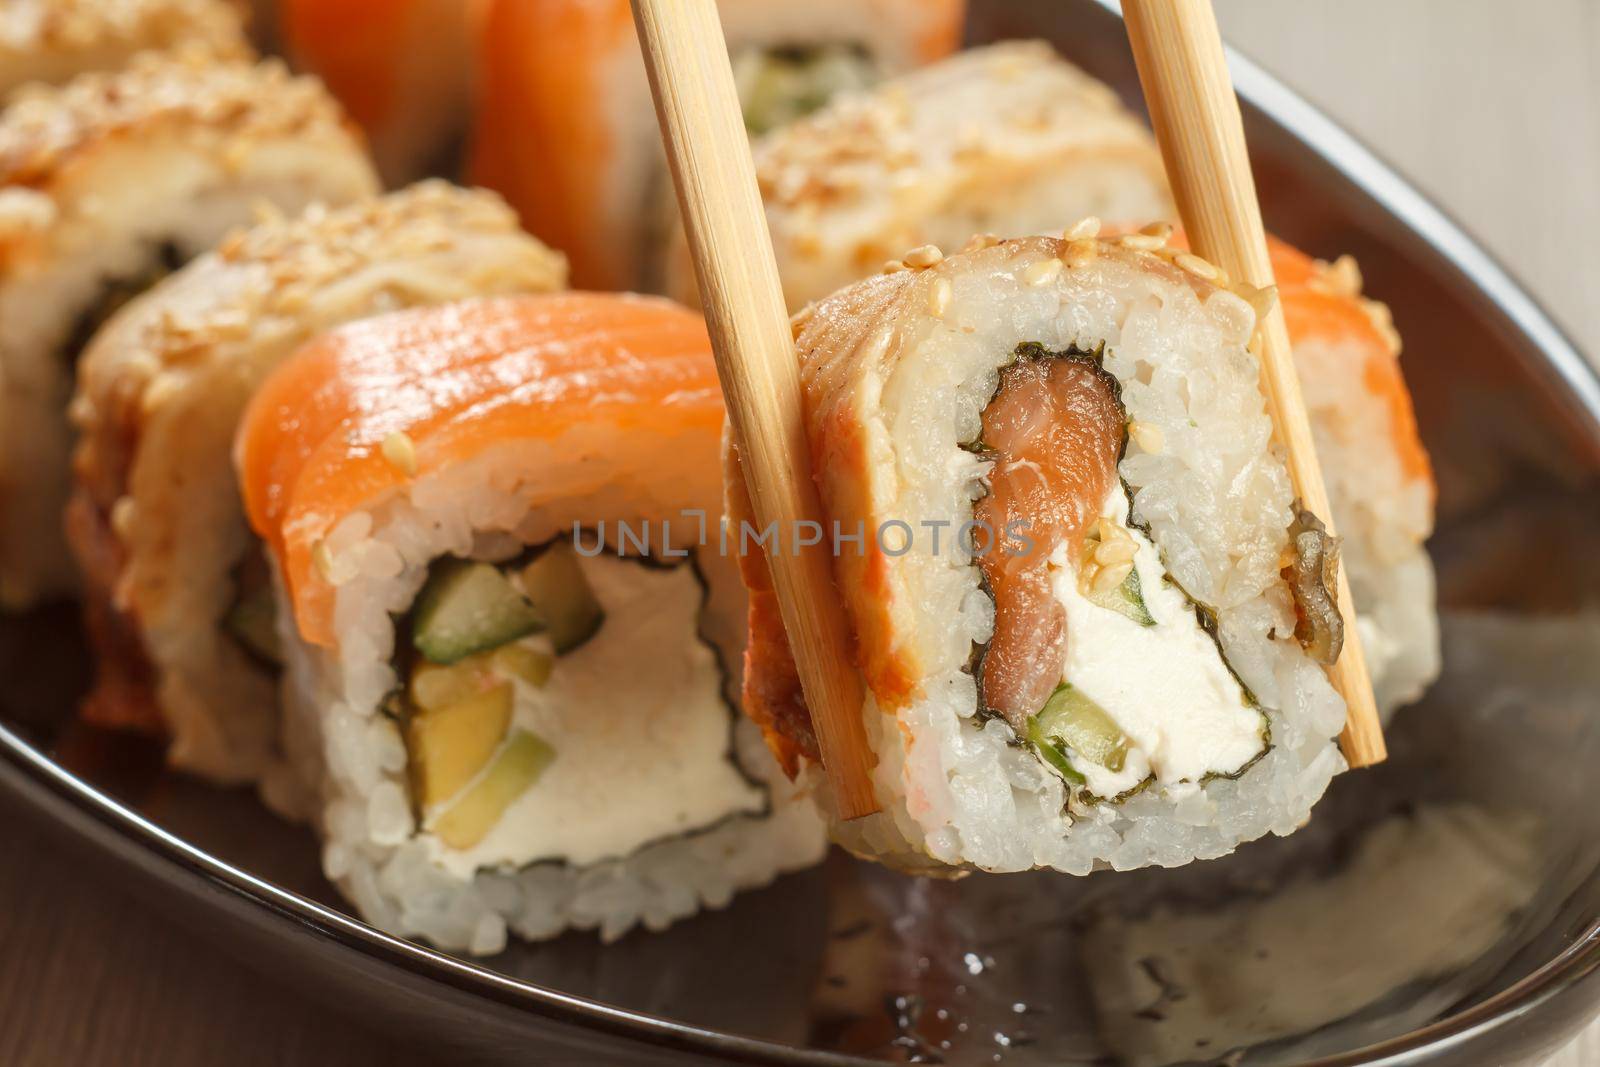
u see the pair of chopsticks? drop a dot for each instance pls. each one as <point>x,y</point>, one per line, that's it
<point>1196,117</point>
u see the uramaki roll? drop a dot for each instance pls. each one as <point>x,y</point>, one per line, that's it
<point>1038,145</point>
<point>51,41</point>
<point>565,129</point>
<point>110,182</point>
<point>1380,480</point>
<point>179,606</point>
<point>1008,139</point>
<point>1106,670</point>
<point>513,711</point>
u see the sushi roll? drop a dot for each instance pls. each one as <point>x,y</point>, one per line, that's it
<point>178,600</point>
<point>565,127</point>
<point>1008,139</point>
<point>508,630</point>
<point>402,68</point>
<point>51,41</point>
<point>1040,144</point>
<point>1089,616</point>
<point>106,184</point>
<point>1379,478</point>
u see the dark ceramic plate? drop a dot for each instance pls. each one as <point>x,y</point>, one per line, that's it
<point>849,963</point>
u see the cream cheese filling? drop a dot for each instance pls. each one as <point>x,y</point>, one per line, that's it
<point>641,734</point>
<point>1166,686</point>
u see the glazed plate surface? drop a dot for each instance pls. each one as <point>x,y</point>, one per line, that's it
<point>1443,908</point>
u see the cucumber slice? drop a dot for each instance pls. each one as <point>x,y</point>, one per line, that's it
<point>1053,755</point>
<point>1072,722</point>
<point>513,772</point>
<point>1126,599</point>
<point>561,595</point>
<point>253,622</point>
<point>468,607</point>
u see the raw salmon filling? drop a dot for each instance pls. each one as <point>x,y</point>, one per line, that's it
<point>1097,657</point>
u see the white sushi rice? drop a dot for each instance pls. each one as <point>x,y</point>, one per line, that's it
<point>352,760</point>
<point>1216,498</point>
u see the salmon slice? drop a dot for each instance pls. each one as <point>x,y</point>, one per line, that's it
<point>542,137</point>
<point>1055,429</point>
<point>360,413</point>
<point>402,69</point>
<point>355,46</point>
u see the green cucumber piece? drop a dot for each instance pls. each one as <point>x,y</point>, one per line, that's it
<point>468,607</point>
<point>253,622</point>
<point>1053,755</point>
<point>1126,599</point>
<point>1071,721</point>
<point>555,584</point>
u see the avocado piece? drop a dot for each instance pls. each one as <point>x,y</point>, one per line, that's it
<point>253,622</point>
<point>1071,722</point>
<point>528,664</point>
<point>513,772</point>
<point>468,607</point>
<point>560,593</point>
<point>451,744</point>
<point>1126,599</point>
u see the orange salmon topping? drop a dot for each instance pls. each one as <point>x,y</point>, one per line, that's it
<point>363,411</point>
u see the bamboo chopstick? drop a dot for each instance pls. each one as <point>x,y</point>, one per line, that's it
<point>708,149</point>
<point>1178,49</point>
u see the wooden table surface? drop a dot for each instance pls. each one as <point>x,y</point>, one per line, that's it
<point>1492,107</point>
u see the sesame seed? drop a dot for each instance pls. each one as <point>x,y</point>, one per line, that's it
<point>923,256</point>
<point>1082,230</point>
<point>894,266</point>
<point>1081,253</point>
<point>1144,242</point>
<point>1147,436</point>
<point>123,514</point>
<point>1112,552</point>
<point>939,297</point>
<point>400,453</point>
<point>1042,272</point>
<point>322,560</point>
<point>1200,268</point>
<point>1162,230</point>
<point>979,241</point>
<point>1344,276</point>
<point>1111,577</point>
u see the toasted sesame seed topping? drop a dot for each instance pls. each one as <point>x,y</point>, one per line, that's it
<point>322,560</point>
<point>1084,229</point>
<point>1200,268</point>
<point>894,266</point>
<point>400,453</point>
<point>1147,436</point>
<point>1081,253</point>
<point>1162,230</point>
<point>126,25</point>
<point>1108,578</point>
<point>123,515</point>
<point>1042,272</point>
<point>1144,242</point>
<point>1343,276</point>
<point>1118,550</point>
<point>44,129</point>
<point>939,294</point>
<point>980,241</point>
<point>923,256</point>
